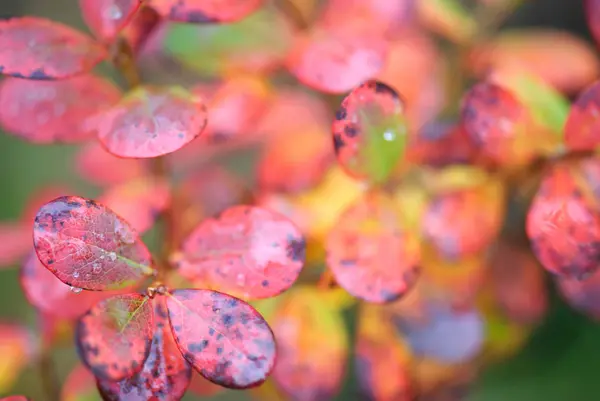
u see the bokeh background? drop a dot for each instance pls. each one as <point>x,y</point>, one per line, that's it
<point>560,363</point>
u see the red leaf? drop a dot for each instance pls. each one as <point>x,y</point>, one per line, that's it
<point>113,339</point>
<point>37,48</point>
<point>247,250</point>
<point>563,223</point>
<point>382,363</point>
<point>335,61</point>
<point>592,14</point>
<point>139,202</point>
<point>86,245</point>
<point>98,166</point>
<point>165,374</point>
<point>370,254</point>
<point>15,242</point>
<point>312,346</point>
<point>496,121</point>
<point>582,295</point>
<point>583,124</point>
<point>107,17</point>
<point>202,11</point>
<point>224,338</point>
<point>80,385</point>
<point>151,122</point>
<point>15,398</point>
<point>38,199</point>
<point>54,111</point>
<point>50,295</point>
<point>142,24</point>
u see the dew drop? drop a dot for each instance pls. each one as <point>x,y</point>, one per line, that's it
<point>75,290</point>
<point>96,268</point>
<point>240,280</point>
<point>75,274</point>
<point>112,256</point>
<point>113,12</point>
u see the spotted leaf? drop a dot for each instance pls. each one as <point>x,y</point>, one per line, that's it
<point>165,374</point>
<point>80,385</point>
<point>99,167</point>
<point>581,128</point>
<point>54,111</point>
<point>113,339</point>
<point>369,252</point>
<point>582,295</point>
<point>139,201</point>
<point>107,17</point>
<point>151,122</point>
<point>86,245</point>
<point>312,345</point>
<point>37,48</point>
<point>247,250</point>
<point>50,295</point>
<point>382,360</point>
<point>226,340</point>
<point>202,11</point>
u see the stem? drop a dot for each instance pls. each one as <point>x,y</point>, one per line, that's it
<point>326,280</point>
<point>50,382</point>
<point>289,9</point>
<point>124,60</point>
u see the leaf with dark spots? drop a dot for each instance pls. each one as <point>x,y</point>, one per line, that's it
<point>583,122</point>
<point>102,168</point>
<point>382,361</point>
<point>243,247</point>
<point>312,344</point>
<point>80,385</point>
<point>165,374</point>
<point>37,48</point>
<point>244,361</point>
<point>139,202</point>
<point>202,11</point>
<point>50,295</point>
<point>151,121</point>
<point>86,245</point>
<point>107,17</point>
<point>113,339</point>
<point>371,253</point>
<point>54,111</point>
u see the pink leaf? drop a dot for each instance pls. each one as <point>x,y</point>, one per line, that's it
<point>113,339</point>
<point>86,245</point>
<point>199,11</point>
<point>37,48</point>
<point>151,122</point>
<point>247,250</point>
<point>80,385</point>
<point>15,242</point>
<point>224,338</point>
<point>54,111</point>
<point>165,374</point>
<point>107,17</point>
<point>98,166</point>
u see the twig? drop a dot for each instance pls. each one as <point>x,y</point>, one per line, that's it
<point>50,382</point>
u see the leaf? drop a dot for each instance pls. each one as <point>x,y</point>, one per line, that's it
<point>312,344</point>
<point>382,361</point>
<point>15,242</point>
<point>50,295</point>
<point>106,18</point>
<point>113,339</point>
<point>99,167</point>
<point>18,347</point>
<point>247,250</point>
<point>39,198</point>
<point>592,15</point>
<point>165,374</point>
<point>257,44</point>
<point>581,127</point>
<point>151,122</point>
<point>200,386</point>
<point>370,254</point>
<point>446,336</point>
<point>139,202</point>
<point>581,295</point>
<point>335,61</point>
<point>54,111</point>
<point>370,132</point>
<point>15,398</point>
<point>558,58</point>
<point>222,337</point>
<point>80,385</point>
<point>37,48</point>
<point>86,245</point>
<point>200,11</point>
<point>140,27</point>
<point>295,162</point>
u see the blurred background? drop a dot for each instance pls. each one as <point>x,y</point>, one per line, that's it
<point>560,362</point>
